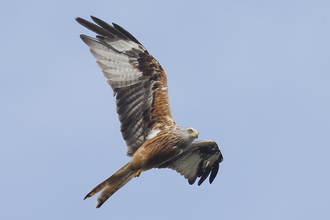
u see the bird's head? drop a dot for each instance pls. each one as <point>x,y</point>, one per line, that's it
<point>186,135</point>
<point>192,132</point>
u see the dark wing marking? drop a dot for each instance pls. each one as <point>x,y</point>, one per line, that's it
<point>199,160</point>
<point>137,79</point>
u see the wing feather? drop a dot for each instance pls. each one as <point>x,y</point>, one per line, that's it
<point>199,160</point>
<point>137,79</point>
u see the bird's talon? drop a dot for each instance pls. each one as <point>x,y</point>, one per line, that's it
<point>137,174</point>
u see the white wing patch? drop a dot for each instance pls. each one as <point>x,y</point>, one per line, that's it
<point>120,70</point>
<point>152,134</point>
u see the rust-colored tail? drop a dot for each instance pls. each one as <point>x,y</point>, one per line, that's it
<point>112,184</point>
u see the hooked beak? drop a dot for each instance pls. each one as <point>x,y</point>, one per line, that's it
<point>195,135</point>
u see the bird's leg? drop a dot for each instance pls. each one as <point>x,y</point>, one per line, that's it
<point>137,174</point>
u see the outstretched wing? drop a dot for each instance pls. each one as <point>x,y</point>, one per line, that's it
<point>199,160</point>
<point>137,79</point>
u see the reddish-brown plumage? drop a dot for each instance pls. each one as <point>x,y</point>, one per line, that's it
<point>156,151</point>
<point>152,137</point>
<point>159,112</point>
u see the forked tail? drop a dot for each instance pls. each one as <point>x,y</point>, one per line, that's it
<point>112,184</point>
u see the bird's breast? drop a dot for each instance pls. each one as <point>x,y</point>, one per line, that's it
<point>153,153</point>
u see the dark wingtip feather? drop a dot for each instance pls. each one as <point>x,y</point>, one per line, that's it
<point>214,172</point>
<point>192,180</point>
<point>125,33</point>
<point>87,196</point>
<point>93,27</point>
<point>105,29</point>
<point>204,176</point>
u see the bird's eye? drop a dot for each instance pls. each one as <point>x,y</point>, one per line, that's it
<point>190,131</point>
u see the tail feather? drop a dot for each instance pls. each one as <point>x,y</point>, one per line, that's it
<point>112,184</point>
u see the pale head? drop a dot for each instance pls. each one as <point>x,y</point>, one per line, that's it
<point>187,135</point>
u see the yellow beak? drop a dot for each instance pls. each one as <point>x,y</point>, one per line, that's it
<point>195,134</point>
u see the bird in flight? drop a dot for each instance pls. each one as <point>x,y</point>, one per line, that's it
<point>152,137</point>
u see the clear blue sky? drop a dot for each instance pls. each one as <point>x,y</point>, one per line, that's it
<point>252,75</point>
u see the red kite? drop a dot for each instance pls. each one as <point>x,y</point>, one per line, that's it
<point>152,137</point>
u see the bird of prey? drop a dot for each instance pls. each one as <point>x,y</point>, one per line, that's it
<point>152,137</point>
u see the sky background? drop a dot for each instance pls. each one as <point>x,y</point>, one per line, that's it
<point>252,75</point>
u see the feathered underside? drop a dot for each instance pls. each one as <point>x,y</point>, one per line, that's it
<point>140,86</point>
<point>201,159</point>
<point>137,79</point>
